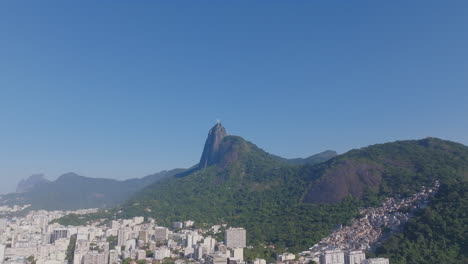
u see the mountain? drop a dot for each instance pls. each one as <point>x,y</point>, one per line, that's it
<point>294,205</point>
<point>28,184</point>
<point>211,151</point>
<point>389,169</point>
<point>314,159</point>
<point>72,191</point>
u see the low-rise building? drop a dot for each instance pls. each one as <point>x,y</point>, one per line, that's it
<point>376,261</point>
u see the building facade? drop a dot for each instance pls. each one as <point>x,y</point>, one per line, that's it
<point>354,257</point>
<point>376,261</point>
<point>236,238</point>
<point>332,257</point>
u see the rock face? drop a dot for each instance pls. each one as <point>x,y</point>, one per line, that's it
<point>28,184</point>
<point>345,178</point>
<point>211,150</point>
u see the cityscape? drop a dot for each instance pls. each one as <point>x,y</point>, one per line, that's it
<point>33,239</point>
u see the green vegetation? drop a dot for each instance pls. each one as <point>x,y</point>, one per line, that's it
<point>438,234</point>
<point>127,261</point>
<point>112,241</point>
<point>261,251</point>
<point>277,202</point>
<point>257,192</point>
<point>266,196</point>
<point>71,250</point>
<point>77,220</point>
<point>31,260</point>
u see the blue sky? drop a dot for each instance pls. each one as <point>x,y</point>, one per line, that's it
<point>121,89</point>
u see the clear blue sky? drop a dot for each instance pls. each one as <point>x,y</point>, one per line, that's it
<point>121,89</point>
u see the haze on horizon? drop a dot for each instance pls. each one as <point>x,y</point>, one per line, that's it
<point>123,90</point>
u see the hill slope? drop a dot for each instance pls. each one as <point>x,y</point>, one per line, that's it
<point>438,234</point>
<point>294,206</point>
<point>389,169</point>
<point>71,191</point>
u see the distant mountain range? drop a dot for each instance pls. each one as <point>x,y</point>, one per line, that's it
<point>28,184</point>
<point>72,191</point>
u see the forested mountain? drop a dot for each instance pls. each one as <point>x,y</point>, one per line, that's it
<point>295,205</point>
<point>72,191</point>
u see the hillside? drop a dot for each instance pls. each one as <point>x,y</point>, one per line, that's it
<point>295,205</point>
<point>397,168</point>
<point>438,234</point>
<point>312,160</point>
<point>72,191</point>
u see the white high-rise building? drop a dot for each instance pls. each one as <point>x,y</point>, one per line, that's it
<point>141,254</point>
<point>3,224</point>
<point>113,257</point>
<point>161,234</point>
<point>115,225</point>
<point>143,235</point>
<point>2,253</point>
<point>138,220</point>
<point>376,261</point>
<point>215,259</point>
<point>236,238</point>
<point>237,254</point>
<point>354,257</point>
<point>209,243</point>
<point>94,257</point>
<point>122,236</point>
<point>162,253</point>
<point>332,257</point>
<point>259,261</point>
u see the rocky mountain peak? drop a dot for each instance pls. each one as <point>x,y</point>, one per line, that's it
<point>28,184</point>
<point>210,151</point>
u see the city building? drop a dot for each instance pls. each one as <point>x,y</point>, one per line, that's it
<point>178,225</point>
<point>113,257</point>
<point>188,223</point>
<point>286,257</point>
<point>235,238</point>
<point>354,257</point>
<point>161,234</point>
<point>215,259</point>
<point>376,261</point>
<point>141,254</point>
<point>58,234</point>
<point>2,253</point>
<point>3,224</point>
<point>94,257</point>
<point>122,236</point>
<point>143,236</point>
<point>237,254</point>
<point>335,256</point>
<point>162,253</point>
<point>259,261</point>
